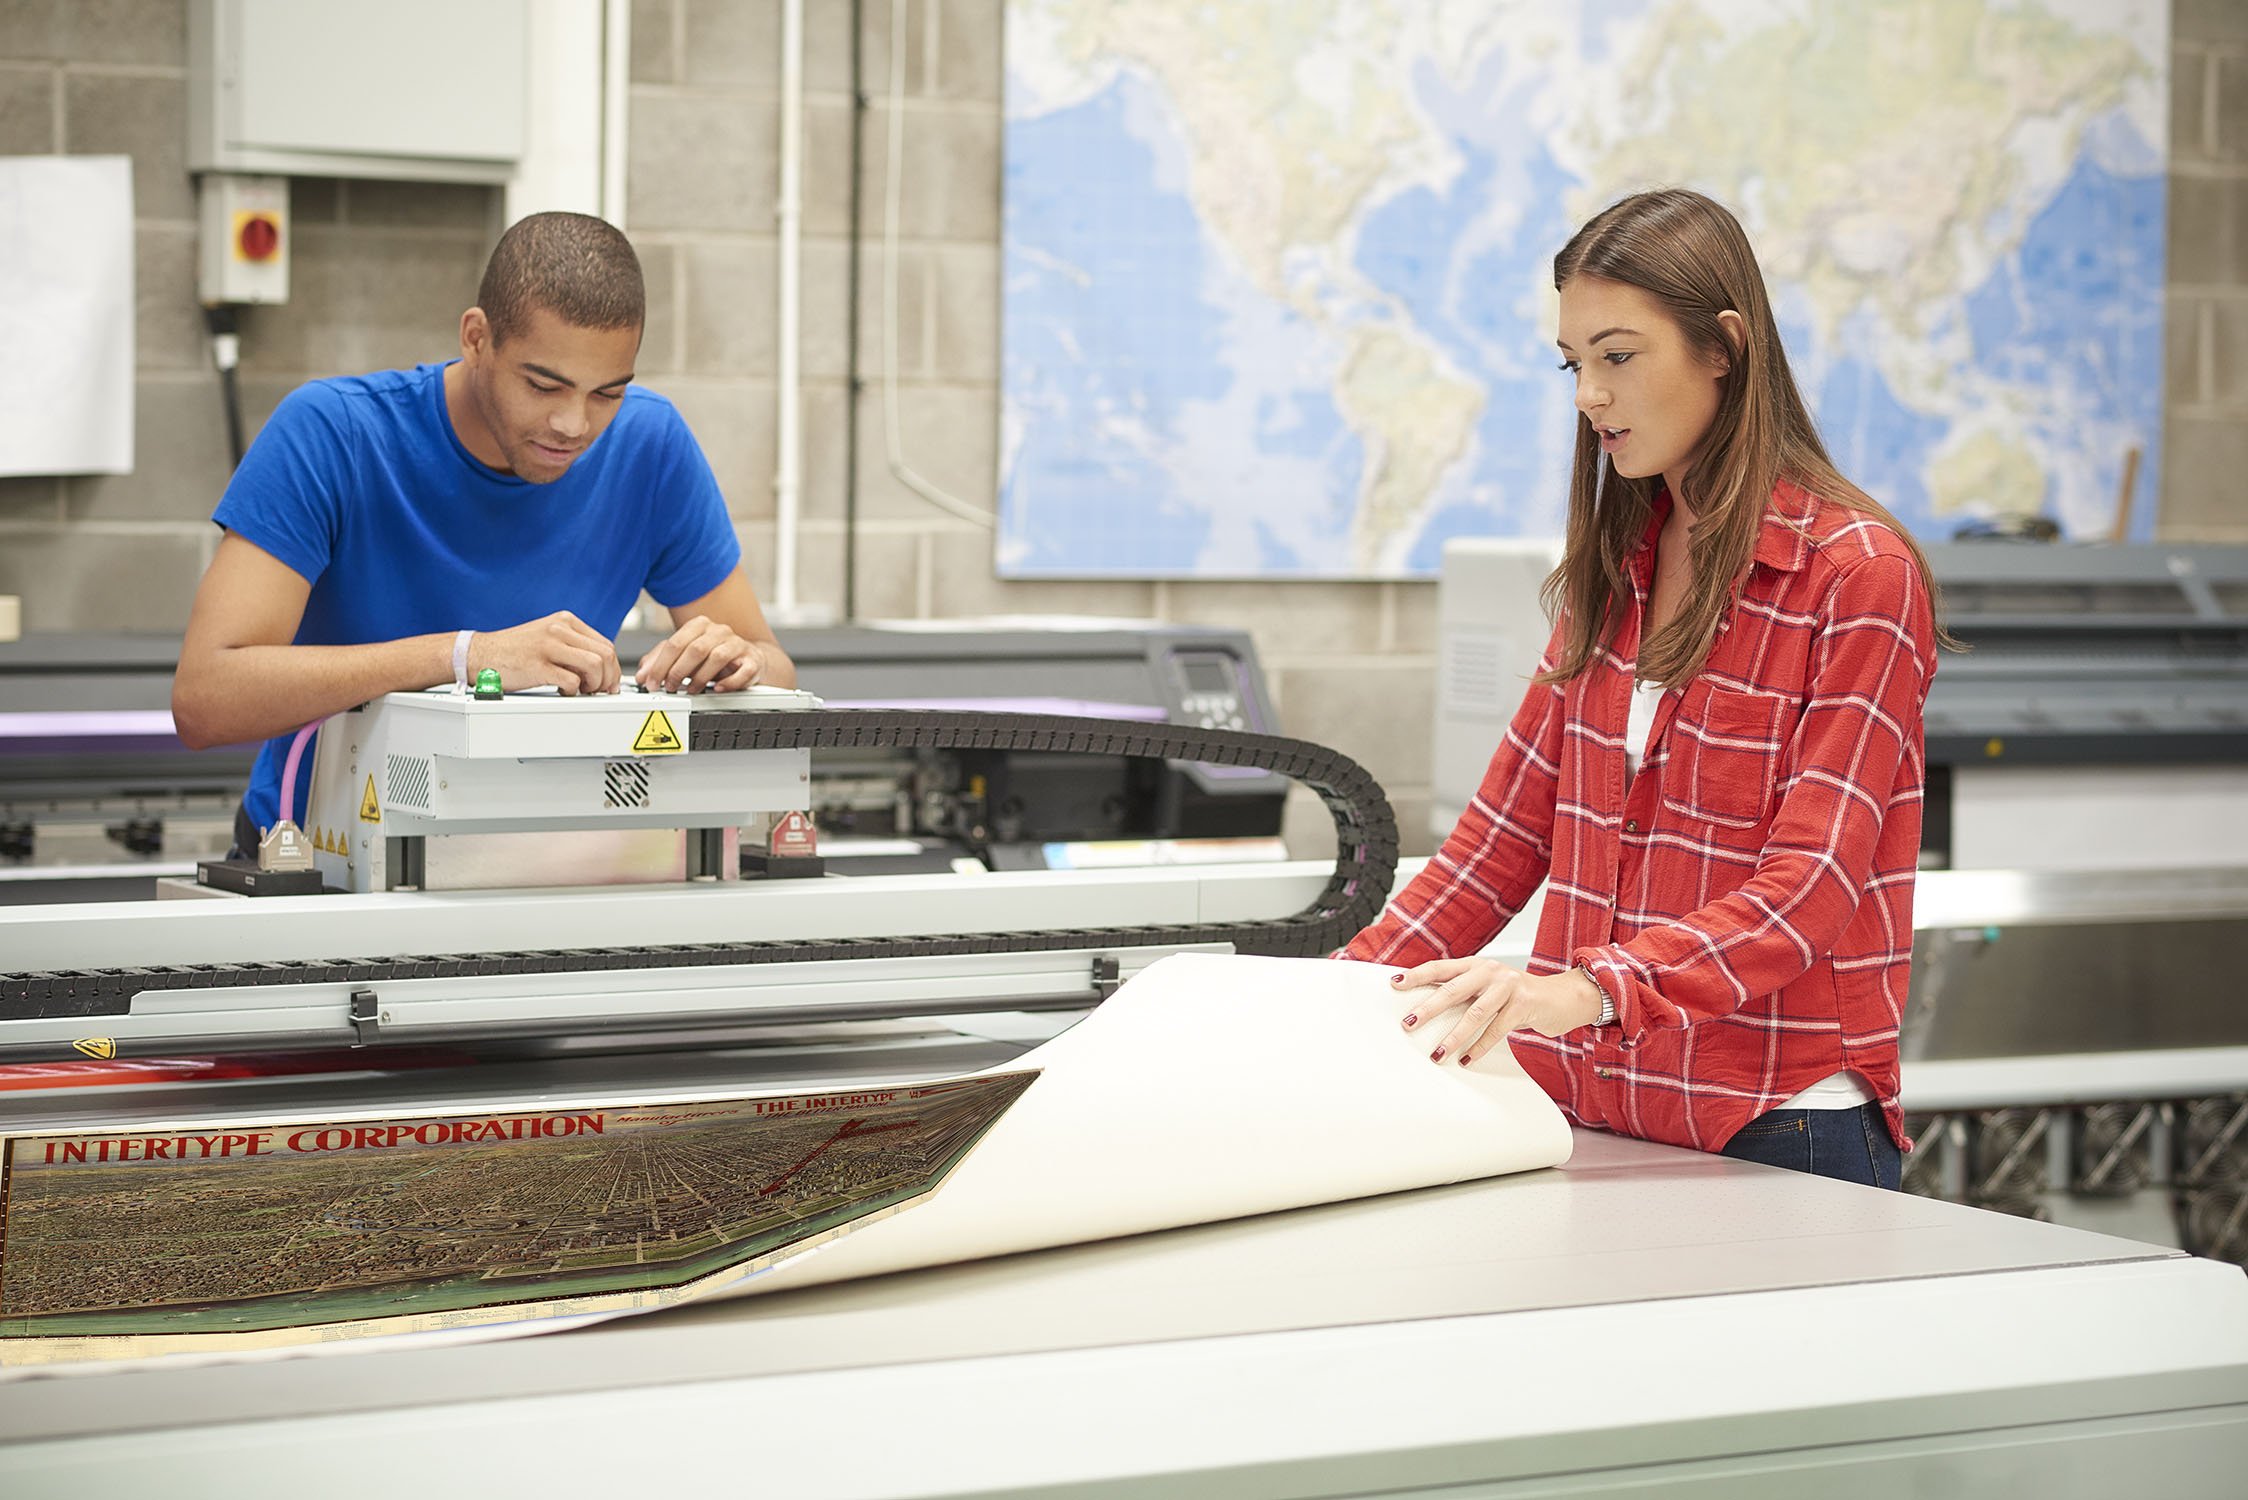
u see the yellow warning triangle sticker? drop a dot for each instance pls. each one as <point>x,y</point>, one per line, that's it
<point>656,736</point>
<point>370,811</point>
<point>102,1047</point>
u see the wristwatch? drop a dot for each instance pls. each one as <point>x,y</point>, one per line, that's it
<point>1607,1016</point>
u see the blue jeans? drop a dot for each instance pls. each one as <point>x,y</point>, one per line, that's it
<point>1850,1145</point>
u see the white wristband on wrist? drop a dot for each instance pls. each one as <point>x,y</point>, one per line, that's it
<point>1607,1016</point>
<point>460,661</point>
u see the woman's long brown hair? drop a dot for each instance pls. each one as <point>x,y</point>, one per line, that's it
<point>1689,254</point>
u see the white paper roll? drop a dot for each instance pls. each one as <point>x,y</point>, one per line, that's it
<point>1207,1088</point>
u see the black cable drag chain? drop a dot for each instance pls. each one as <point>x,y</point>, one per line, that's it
<point>1365,861</point>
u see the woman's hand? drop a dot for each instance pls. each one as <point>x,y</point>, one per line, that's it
<point>1499,999</point>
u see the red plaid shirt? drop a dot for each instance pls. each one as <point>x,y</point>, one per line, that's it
<point>1747,901</point>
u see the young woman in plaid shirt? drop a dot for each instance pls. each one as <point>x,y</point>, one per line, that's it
<point>1718,767</point>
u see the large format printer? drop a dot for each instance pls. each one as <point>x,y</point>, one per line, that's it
<point>1453,1336</point>
<point>98,798</point>
<point>1015,810</point>
<point>2075,1045</point>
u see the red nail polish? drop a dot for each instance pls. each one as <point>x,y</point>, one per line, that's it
<point>1411,1022</point>
<point>1437,1055</point>
<point>1466,1058</point>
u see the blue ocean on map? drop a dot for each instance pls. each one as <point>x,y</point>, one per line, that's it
<point>1104,335</point>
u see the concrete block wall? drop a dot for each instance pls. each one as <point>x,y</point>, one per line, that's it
<point>2205,437</point>
<point>379,273</point>
<point>1353,664</point>
<point>382,271</point>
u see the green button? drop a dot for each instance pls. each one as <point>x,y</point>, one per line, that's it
<point>488,684</point>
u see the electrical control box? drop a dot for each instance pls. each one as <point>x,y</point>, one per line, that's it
<point>412,90</point>
<point>242,254</point>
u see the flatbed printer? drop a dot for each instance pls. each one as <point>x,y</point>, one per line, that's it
<point>538,865</point>
<point>98,798</point>
<point>1434,1338</point>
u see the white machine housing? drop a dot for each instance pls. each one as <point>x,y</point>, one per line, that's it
<point>403,787</point>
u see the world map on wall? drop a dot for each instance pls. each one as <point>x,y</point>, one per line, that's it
<point>1278,276</point>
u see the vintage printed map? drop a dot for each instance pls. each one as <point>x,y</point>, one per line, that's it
<point>249,1229</point>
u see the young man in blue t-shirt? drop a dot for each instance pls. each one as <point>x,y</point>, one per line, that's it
<point>410,528</point>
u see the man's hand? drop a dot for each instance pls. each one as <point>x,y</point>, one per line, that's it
<point>702,656</point>
<point>559,651</point>
<point>1498,1000</point>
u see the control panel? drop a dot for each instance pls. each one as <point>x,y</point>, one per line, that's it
<point>1210,691</point>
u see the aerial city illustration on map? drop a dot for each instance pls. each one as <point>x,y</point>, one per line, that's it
<point>248,1226</point>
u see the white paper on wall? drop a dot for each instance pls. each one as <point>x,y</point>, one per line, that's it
<point>66,315</point>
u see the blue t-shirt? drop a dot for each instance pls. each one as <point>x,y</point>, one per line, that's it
<point>361,485</point>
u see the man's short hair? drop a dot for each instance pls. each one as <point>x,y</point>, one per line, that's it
<point>577,267</point>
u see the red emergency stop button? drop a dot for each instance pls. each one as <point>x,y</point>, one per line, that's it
<point>258,237</point>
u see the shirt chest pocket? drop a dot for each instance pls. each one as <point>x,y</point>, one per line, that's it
<point>1725,746</point>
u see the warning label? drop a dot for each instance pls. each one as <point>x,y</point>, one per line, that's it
<point>657,737</point>
<point>794,837</point>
